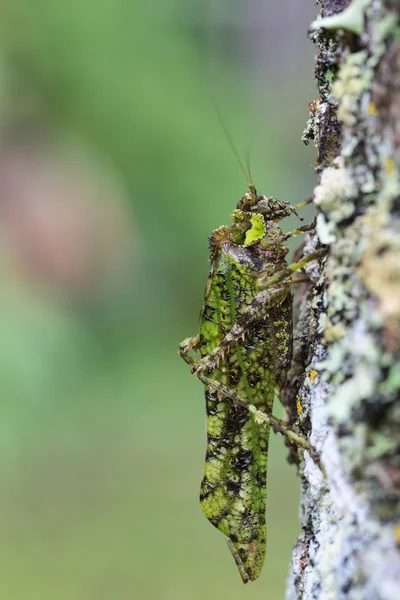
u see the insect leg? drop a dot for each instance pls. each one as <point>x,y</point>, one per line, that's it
<point>260,417</point>
<point>294,209</point>
<point>257,310</point>
<point>300,279</point>
<point>271,294</point>
<point>188,345</point>
<point>298,231</point>
<point>304,203</point>
<point>239,562</point>
<point>265,281</point>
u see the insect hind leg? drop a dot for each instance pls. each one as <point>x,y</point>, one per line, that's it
<point>262,418</point>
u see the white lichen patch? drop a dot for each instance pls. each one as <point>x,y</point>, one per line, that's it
<point>333,195</point>
<point>325,230</point>
<point>353,79</point>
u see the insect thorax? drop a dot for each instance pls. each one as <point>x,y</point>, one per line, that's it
<point>230,291</point>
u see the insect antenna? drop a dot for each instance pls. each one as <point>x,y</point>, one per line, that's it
<point>248,155</point>
<point>245,172</point>
<point>256,133</point>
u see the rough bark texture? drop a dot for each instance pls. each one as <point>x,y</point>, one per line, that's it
<point>344,386</point>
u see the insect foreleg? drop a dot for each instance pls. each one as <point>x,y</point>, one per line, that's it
<point>304,203</point>
<point>298,231</point>
<point>188,345</point>
<point>268,297</point>
<point>300,279</point>
<point>264,282</point>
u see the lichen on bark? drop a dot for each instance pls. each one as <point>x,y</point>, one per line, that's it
<point>345,382</point>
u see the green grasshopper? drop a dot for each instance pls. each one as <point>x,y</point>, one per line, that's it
<point>245,341</point>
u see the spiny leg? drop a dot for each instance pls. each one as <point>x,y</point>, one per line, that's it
<point>239,563</point>
<point>265,282</point>
<point>188,345</point>
<point>298,231</point>
<point>304,203</point>
<point>301,205</point>
<point>257,310</point>
<point>277,425</point>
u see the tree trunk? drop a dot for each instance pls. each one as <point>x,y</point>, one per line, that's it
<point>344,386</point>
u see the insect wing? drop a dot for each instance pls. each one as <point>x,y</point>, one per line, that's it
<point>233,490</point>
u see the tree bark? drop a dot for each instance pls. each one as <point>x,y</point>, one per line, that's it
<point>343,390</point>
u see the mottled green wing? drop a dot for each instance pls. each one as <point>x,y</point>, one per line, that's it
<point>233,491</point>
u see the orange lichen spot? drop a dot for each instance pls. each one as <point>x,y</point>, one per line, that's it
<point>372,110</point>
<point>313,375</point>
<point>299,406</point>
<point>313,105</point>
<point>389,166</point>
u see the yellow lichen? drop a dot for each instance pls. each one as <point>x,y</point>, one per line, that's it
<point>380,272</point>
<point>333,333</point>
<point>372,110</point>
<point>389,166</point>
<point>397,534</point>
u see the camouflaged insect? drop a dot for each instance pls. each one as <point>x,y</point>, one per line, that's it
<point>242,367</point>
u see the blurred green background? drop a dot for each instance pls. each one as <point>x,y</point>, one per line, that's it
<point>113,171</point>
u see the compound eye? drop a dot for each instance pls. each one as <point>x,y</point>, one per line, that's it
<point>248,199</point>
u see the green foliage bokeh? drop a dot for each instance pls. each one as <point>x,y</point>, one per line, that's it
<point>102,427</point>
